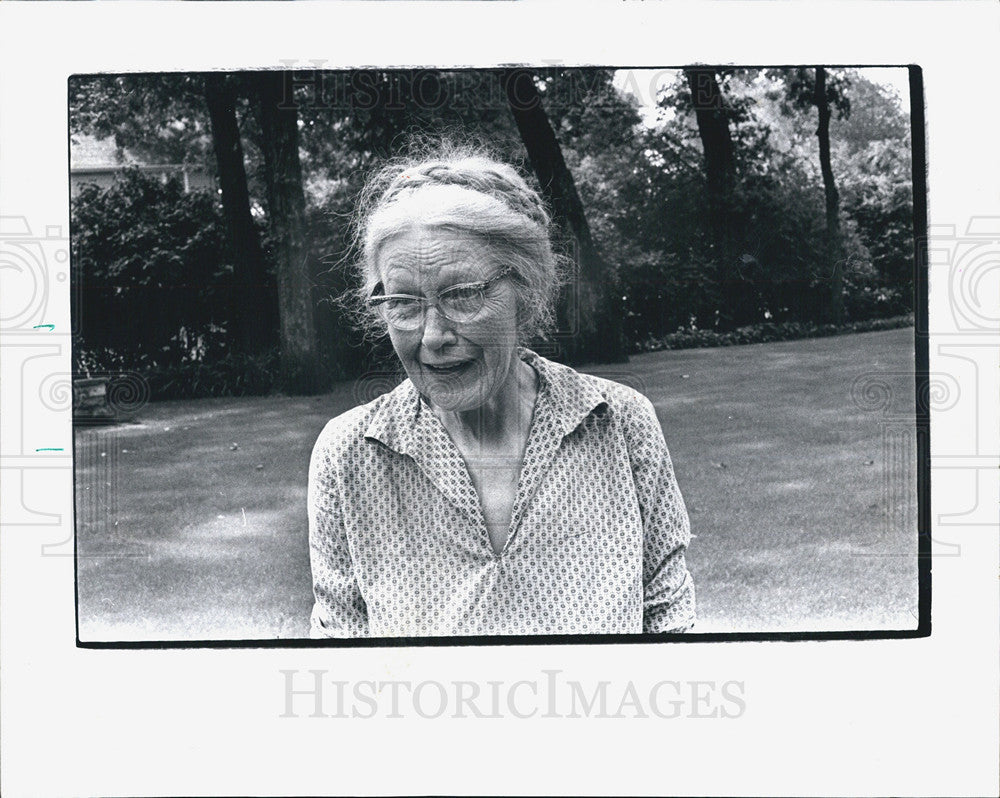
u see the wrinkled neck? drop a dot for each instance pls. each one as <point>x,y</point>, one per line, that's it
<point>504,418</point>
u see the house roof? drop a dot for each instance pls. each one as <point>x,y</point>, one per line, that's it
<point>89,152</point>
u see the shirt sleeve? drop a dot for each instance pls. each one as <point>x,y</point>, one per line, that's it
<point>339,609</point>
<point>668,591</point>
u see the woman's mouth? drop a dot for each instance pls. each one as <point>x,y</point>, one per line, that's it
<point>448,368</point>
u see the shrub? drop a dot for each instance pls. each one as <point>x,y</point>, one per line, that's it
<point>154,277</point>
<point>764,333</point>
<point>149,260</point>
<point>199,371</point>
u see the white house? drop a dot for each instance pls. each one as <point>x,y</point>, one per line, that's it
<point>100,161</point>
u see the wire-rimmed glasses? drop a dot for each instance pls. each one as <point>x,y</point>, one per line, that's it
<point>458,303</point>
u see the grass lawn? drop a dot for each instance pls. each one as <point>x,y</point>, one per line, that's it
<point>191,523</point>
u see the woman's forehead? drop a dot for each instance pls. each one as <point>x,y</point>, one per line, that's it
<point>434,255</point>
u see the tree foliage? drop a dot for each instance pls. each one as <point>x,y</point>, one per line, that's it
<point>151,261</point>
<point>674,255</point>
<point>161,118</point>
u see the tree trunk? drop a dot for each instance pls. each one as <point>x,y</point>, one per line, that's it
<point>301,366</point>
<point>713,128</point>
<point>834,260</point>
<point>717,143</point>
<point>251,314</point>
<point>596,332</point>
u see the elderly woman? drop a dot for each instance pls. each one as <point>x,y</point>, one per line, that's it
<point>494,492</point>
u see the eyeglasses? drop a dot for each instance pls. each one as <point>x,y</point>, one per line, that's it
<point>457,303</point>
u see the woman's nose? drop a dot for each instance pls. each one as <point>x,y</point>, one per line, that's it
<point>437,329</point>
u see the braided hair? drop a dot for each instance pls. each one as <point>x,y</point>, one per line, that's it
<point>474,193</point>
<point>492,179</point>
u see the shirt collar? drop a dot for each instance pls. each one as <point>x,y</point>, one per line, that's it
<point>567,394</point>
<point>395,418</point>
<point>563,394</point>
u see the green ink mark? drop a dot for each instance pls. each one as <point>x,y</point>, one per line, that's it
<point>48,450</point>
<point>50,326</point>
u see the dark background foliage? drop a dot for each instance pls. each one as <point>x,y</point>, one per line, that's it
<point>156,264</point>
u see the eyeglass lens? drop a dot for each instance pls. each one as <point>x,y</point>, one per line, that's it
<point>459,304</point>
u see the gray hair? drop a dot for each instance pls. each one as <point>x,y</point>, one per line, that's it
<point>468,191</point>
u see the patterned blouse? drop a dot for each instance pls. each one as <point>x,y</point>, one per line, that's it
<point>400,547</point>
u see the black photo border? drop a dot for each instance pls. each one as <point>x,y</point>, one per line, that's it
<point>922,418</point>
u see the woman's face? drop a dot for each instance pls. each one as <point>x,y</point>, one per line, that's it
<point>457,365</point>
